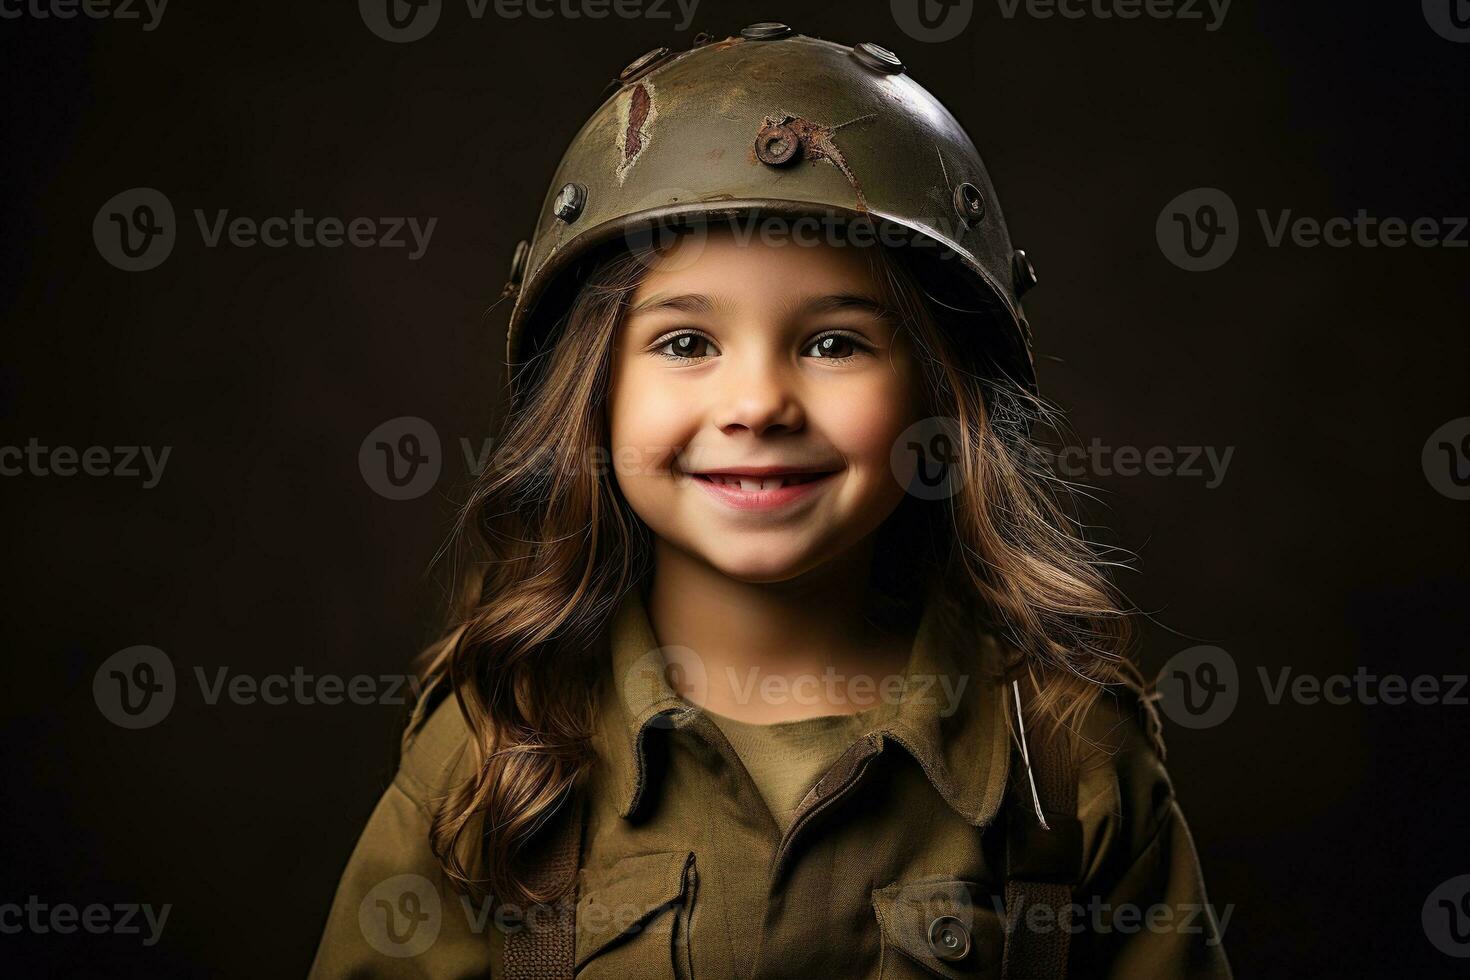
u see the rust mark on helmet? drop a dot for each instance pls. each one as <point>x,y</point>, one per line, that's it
<point>637,112</point>
<point>819,142</point>
<point>728,42</point>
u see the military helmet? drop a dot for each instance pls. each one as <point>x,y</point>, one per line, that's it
<point>772,122</point>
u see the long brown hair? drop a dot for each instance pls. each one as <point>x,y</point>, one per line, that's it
<point>546,546</point>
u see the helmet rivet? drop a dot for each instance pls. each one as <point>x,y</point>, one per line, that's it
<point>878,58</point>
<point>969,203</point>
<point>570,201</point>
<point>776,144</point>
<point>1025,272</point>
<point>518,262</point>
<point>642,63</point>
<point>765,31</point>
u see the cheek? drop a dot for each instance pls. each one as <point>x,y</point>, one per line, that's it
<point>647,422</point>
<point>866,421</point>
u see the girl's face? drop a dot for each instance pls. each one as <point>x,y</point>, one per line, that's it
<point>757,390</point>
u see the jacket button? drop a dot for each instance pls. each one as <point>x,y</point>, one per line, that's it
<point>949,939</point>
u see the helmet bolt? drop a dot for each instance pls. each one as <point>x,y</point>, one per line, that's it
<point>518,262</point>
<point>777,145</point>
<point>765,31</point>
<point>969,203</point>
<point>569,202</point>
<point>878,58</point>
<point>641,65</point>
<point>1025,272</point>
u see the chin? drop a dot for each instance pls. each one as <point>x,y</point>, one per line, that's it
<point>758,566</point>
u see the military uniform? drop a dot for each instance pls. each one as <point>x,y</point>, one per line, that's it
<point>895,865</point>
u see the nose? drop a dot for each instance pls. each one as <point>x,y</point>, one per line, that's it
<point>758,398</point>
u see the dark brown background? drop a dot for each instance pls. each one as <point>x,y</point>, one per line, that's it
<point>263,549</point>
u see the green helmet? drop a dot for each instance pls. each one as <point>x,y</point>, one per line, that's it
<point>771,122</point>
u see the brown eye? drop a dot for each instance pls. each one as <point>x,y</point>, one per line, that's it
<point>689,346</point>
<point>833,345</point>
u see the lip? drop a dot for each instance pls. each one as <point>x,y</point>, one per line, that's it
<point>815,481</point>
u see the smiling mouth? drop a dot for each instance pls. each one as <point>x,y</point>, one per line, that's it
<point>752,483</point>
<point>754,492</point>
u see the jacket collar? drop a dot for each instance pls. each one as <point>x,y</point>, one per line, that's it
<point>950,715</point>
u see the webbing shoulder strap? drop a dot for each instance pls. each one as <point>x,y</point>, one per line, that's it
<point>547,951</point>
<point>1043,863</point>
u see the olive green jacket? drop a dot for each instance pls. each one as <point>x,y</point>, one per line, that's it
<point>684,873</point>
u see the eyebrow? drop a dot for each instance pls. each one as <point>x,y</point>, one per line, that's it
<point>847,302</point>
<point>699,303</point>
<point>685,303</point>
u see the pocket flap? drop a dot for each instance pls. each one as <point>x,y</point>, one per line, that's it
<point>626,899</point>
<point>943,924</point>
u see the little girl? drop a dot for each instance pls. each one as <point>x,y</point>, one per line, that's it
<point>774,654</point>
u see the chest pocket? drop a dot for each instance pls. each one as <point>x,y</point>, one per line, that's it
<point>635,918</point>
<point>938,927</point>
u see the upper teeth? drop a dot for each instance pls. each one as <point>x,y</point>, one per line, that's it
<point>758,483</point>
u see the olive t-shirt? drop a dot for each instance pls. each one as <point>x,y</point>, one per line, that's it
<point>787,758</point>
